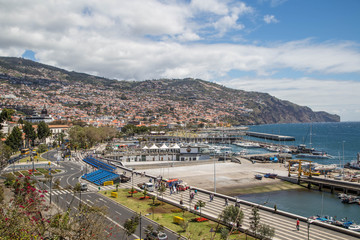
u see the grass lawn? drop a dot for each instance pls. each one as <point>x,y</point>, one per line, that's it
<point>27,160</point>
<point>163,214</point>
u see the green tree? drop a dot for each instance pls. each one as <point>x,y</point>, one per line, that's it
<point>145,193</point>
<point>232,214</point>
<point>224,232</point>
<point>5,153</point>
<point>149,230</point>
<point>266,231</point>
<point>131,224</point>
<point>153,198</point>
<point>21,121</point>
<point>255,220</point>
<point>200,204</point>
<point>162,189</point>
<point>42,148</point>
<point>43,131</point>
<point>30,134</point>
<point>14,140</point>
<point>6,114</point>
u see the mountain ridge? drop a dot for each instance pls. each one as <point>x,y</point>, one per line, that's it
<point>196,98</point>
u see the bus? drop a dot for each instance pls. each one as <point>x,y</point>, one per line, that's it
<point>25,151</point>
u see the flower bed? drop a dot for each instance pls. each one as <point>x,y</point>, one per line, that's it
<point>132,192</point>
<point>201,219</point>
<point>146,197</point>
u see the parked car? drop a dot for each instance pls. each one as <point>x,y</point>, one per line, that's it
<point>157,236</point>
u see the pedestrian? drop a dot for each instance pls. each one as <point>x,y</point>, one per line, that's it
<point>195,191</point>
<point>210,197</point>
<point>297,224</point>
<point>275,208</point>
<point>226,202</point>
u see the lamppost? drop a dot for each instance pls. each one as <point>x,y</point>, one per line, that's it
<point>132,180</point>
<point>309,221</point>
<point>32,159</point>
<point>50,178</point>
<point>140,222</point>
<point>214,174</point>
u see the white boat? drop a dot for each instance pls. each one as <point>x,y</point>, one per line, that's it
<point>273,149</point>
<point>248,144</point>
<point>354,227</point>
<point>354,164</point>
<point>225,148</point>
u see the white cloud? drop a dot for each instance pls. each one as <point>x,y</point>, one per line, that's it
<point>337,97</point>
<point>146,39</point>
<point>270,19</point>
<point>213,6</point>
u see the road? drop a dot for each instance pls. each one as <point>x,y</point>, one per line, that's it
<point>284,224</point>
<point>116,213</point>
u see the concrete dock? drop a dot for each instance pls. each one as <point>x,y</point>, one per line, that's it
<point>270,136</point>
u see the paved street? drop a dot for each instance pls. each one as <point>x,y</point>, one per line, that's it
<point>116,213</point>
<point>284,226</point>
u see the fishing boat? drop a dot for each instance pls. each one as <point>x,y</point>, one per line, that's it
<point>350,199</point>
<point>258,176</point>
<point>270,175</point>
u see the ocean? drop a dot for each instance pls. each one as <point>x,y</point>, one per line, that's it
<point>341,140</point>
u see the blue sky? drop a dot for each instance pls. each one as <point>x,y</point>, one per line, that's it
<point>303,51</point>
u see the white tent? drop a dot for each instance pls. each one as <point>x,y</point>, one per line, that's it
<point>176,146</point>
<point>145,147</point>
<point>163,147</point>
<point>153,147</point>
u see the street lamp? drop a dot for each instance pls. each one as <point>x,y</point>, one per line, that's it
<point>309,221</point>
<point>32,159</point>
<point>140,222</point>
<point>214,174</point>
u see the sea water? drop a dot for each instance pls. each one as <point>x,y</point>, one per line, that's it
<point>307,203</point>
<point>341,140</point>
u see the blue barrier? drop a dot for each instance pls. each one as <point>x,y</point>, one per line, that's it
<point>98,164</point>
<point>100,176</point>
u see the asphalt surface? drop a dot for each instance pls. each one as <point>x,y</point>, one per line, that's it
<point>116,213</point>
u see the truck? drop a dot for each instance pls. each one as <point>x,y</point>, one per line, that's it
<point>183,186</point>
<point>146,186</point>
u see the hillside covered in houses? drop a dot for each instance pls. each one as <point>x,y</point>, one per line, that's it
<point>28,87</point>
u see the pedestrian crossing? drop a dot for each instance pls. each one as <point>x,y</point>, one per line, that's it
<point>91,188</point>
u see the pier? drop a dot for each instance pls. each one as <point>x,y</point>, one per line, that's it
<point>270,136</point>
<point>321,184</point>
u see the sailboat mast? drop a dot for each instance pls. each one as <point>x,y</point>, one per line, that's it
<point>310,134</point>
